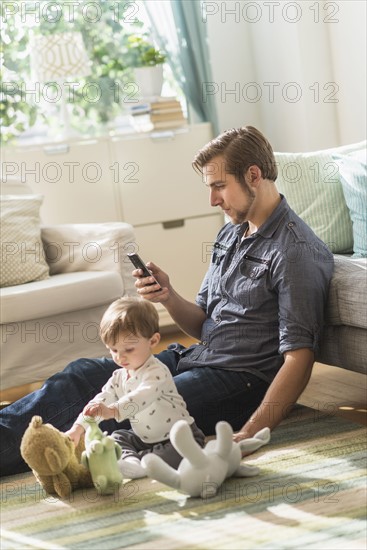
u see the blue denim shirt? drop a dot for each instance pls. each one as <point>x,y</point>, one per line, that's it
<point>263,295</point>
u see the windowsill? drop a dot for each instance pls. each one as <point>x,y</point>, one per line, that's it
<point>115,133</point>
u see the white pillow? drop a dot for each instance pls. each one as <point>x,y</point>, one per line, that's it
<point>22,255</point>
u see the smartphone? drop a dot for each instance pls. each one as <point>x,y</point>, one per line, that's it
<point>139,264</point>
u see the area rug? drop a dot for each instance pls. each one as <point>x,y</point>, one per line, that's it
<point>310,493</point>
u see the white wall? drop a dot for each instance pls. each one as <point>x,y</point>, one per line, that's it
<point>299,69</point>
<point>348,42</point>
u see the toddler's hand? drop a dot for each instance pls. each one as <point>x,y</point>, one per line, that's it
<point>75,433</point>
<point>100,411</point>
<point>92,409</point>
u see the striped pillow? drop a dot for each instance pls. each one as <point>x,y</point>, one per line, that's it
<point>353,175</point>
<point>311,184</point>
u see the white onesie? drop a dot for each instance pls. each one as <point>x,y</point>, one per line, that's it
<point>148,398</point>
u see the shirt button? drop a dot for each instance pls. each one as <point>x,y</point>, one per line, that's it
<point>291,224</point>
<point>248,384</point>
<point>205,343</point>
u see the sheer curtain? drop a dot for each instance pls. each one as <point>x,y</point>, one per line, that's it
<point>178,29</point>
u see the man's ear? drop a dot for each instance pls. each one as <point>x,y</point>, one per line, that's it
<point>253,175</point>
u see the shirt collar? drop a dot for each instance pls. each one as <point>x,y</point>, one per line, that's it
<point>268,228</point>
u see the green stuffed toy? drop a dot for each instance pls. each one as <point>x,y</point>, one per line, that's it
<point>100,457</point>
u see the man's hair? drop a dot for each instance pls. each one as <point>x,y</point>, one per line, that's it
<point>128,314</point>
<point>241,148</point>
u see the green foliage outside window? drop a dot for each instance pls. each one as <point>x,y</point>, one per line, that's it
<point>113,46</point>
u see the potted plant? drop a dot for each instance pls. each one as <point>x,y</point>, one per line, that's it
<point>148,65</point>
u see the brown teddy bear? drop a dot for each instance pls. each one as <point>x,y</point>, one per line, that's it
<point>53,458</point>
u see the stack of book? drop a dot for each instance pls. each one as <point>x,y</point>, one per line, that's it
<point>166,113</point>
<point>160,113</point>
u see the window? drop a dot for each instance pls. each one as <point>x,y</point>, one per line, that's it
<point>95,100</point>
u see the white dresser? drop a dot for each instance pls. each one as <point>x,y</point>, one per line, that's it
<point>144,179</point>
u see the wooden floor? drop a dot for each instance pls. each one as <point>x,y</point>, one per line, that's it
<point>331,390</point>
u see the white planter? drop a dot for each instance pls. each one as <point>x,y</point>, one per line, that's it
<point>149,80</point>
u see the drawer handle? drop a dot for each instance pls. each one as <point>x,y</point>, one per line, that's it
<point>173,224</point>
<point>57,149</point>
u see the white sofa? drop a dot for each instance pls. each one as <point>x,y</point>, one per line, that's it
<point>47,323</point>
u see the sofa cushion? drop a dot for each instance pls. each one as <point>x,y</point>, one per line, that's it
<point>59,294</point>
<point>85,246</point>
<point>348,293</point>
<point>312,186</point>
<point>353,176</point>
<point>22,257</point>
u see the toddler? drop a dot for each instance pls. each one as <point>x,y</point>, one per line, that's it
<point>142,389</point>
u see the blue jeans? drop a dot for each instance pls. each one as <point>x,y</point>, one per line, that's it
<point>211,395</point>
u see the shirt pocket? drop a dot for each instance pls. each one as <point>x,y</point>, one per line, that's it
<point>253,283</point>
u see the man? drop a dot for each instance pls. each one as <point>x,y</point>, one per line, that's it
<point>258,314</point>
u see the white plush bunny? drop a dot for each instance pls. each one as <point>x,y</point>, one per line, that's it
<point>202,471</point>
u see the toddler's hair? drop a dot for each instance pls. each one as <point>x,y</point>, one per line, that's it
<point>128,314</point>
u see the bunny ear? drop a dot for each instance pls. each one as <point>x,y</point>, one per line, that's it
<point>183,441</point>
<point>53,460</point>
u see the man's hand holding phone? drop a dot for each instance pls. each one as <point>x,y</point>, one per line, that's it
<point>147,280</point>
